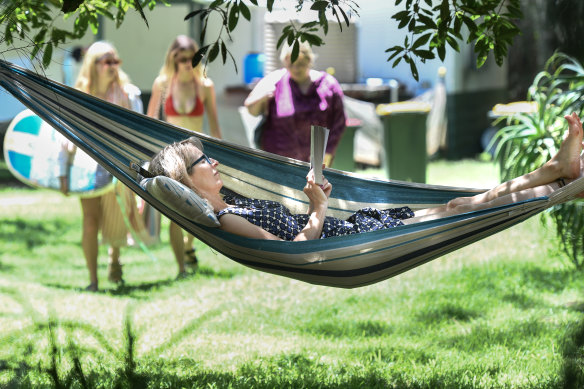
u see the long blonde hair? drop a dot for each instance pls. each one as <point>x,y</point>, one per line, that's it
<point>87,79</point>
<point>169,68</point>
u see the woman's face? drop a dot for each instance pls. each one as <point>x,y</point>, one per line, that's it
<point>107,65</point>
<point>300,69</point>
<point>184,60</point>
<point>204,174</point>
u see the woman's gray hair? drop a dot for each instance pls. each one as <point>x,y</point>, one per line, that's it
<point>305,50</point>
<point>174,160</point>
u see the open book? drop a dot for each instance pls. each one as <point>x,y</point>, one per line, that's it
<point>318,141</point>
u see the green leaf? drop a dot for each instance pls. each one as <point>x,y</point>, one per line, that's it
<point>195,13</point>
<point>395,48</point>
<point>244,11</point>
<point>481,59</point>
<point>295,52</point>
<point>424,54</point>
<point>336,14</point>
<point>270,5</point>
<point>233,17</point>
<point>224,52</point>
<point>313,39</point>
<point>71,5</point>
<point>216,3</point>
<point>291,39</point>
<point>427,22</point>
<point>281,39</point>
<point>197,58</point>
<point>404,22</point>
<point>47,55</point>
<point>401,15</point>
<point>323,21</point>
<point>414,71</point>
<point>319,5</point>
<point>39,37</point>
<point>441,52</point>
<point>213,52</point>
<point>254,2</point>
<point>35,50</point>
<point>421,41</point>
<point>344,16</point>
<point>453,43</point>
<point>395,52</point>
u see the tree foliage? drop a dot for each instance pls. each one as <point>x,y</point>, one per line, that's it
<point>431,25</point>
<point>30,24</point>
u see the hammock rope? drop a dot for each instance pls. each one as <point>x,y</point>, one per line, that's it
<point>117,138</point>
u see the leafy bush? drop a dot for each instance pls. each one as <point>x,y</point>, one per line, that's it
<point>530,139</point>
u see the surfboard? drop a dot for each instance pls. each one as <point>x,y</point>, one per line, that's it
<point>31,152</point>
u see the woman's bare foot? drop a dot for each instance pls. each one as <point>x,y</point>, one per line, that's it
<point>567,160</point>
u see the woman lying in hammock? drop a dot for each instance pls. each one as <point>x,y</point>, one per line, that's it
<point>262,219</point>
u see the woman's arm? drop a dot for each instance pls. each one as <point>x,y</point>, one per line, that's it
<point>257,100</point>
<point>211,108</point>
<point>318,204</point>
<point>318,199</point>
<point>239,226</point>
<point>155,100</point>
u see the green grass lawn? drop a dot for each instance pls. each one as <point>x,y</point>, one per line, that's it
<point>505,312</point>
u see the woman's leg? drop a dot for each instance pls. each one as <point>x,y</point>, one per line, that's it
<point>526,194</point>
<point>566,164</point>
<point>91,220</point>
<point>190,256</point>
<point>178,245</point>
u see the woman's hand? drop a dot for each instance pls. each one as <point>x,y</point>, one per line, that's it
<point>317,194</point>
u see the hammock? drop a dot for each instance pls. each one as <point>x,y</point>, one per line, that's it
<point>117,137</point>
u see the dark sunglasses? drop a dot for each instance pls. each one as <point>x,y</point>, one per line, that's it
<point>203,157</point>
<point>111,62</point>
<point>184,59</point>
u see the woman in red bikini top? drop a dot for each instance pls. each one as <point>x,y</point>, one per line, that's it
<point>182,90</point>
<point>184,94</point>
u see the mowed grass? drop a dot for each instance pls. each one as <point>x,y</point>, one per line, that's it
<point>506,312</point>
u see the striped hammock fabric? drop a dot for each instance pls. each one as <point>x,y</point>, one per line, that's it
<point>117,137</point>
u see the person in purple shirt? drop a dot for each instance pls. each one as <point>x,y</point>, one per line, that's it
<point>294,98</point>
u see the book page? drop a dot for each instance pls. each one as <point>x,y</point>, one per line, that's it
<point>318,141</point>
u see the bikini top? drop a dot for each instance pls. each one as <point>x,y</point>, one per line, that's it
<point>169,110</point>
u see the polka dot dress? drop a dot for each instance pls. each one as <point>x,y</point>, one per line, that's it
<point>277,219</point>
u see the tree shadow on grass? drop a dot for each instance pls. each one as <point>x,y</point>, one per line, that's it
<point>573,352</point>
<point>140,290</point>
<point>348,328</point>
<point>553,280</point>
<point>30,233</point>
<point>5,268</point>
<point>281,371</point>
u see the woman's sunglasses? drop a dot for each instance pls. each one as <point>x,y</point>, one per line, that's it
<point>110,62</point>
<point>184,59</point>
<point>203,157</point>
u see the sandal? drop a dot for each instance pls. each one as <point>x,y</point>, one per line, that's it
<point>91,288</point>
<point>191,259</point>
<point>114,272</point>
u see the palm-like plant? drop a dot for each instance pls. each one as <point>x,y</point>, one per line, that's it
<point>530,139</point>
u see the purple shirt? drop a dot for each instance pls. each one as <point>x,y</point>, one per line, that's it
<point>291,113</point>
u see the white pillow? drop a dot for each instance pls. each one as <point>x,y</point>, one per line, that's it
<point>180,199</point>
